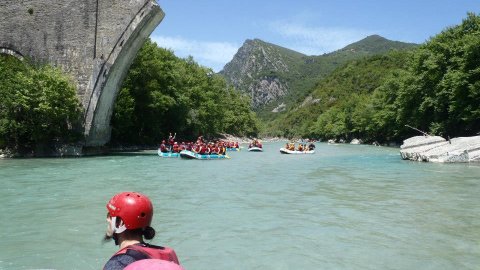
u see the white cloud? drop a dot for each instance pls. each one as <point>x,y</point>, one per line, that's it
<point>210,54</point>
<point>316,40</point>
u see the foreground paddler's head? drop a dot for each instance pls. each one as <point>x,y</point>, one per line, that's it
<point>129,215</point>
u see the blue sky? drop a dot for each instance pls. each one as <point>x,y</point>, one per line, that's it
<point>211,31</point>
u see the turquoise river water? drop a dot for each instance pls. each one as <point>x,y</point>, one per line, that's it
<point>345,207</point>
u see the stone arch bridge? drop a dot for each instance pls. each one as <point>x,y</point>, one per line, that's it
<point>93,40</point>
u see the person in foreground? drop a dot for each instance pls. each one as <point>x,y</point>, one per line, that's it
<point>129,217</point>
<point>153,264</point>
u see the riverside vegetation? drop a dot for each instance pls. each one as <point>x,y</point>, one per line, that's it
<point>38,107</point>
<point>434,87</point>
<point>161,93</point>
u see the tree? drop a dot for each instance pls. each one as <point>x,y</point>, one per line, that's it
<point>443,96</point>
<point>39,106</point>
<point>163,93</point>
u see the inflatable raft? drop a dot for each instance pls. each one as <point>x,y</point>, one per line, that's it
<point>168,154</point>
<point>295,152</point>
<point>192,155</point>
<point>255,149</point>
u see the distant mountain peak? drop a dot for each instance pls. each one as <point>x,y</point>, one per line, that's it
<point>377,44</point>
<point>374,37</point>
<point>256,66</point>
<point>271,74</point>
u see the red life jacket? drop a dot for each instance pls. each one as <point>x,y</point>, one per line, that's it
<point>163,148</point>
<point>152,252</point>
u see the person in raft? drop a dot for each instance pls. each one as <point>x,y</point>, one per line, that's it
<point>129,217</point>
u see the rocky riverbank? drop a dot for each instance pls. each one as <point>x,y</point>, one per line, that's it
<point>438,149</point>
<point>249,140</point>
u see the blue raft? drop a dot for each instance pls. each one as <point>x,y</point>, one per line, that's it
<point>192,155</point>
<point>168,154</point>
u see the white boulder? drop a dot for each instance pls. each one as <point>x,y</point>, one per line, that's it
<point>356,141</point>
<point>438,149</point>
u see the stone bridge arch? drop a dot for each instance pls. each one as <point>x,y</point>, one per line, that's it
<point>93,40</point>
<point>11,52</point>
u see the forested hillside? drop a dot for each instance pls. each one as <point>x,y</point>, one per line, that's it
<point>163,93</point>
<point>435,88</point>
<point>272,75</point>
<point>343,95</point>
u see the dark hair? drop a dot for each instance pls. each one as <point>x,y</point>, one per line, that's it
<point>148,233</point>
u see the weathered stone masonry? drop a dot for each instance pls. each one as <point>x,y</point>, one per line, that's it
<point>93,40</point>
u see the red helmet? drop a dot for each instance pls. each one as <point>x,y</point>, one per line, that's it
<point>135,209</point>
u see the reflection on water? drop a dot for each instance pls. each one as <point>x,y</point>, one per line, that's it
<point>345,207</point>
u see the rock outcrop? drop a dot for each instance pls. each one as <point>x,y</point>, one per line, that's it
<point>254,70</point>
<point>438,149</point>
<point>280,108</point>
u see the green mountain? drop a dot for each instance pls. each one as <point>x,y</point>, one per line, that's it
<point>264,71</point>
<point>277,78</point>
<point>341,97</point>
<point>433,88</point>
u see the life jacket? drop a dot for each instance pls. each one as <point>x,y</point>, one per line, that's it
<point>146,251</point>
<point>175,148</point>
<point>163,148</point>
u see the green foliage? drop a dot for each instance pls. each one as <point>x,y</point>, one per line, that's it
<point>163,93</point>
<point>435,88</point>
<point>38,106</point>
<point>439,91</point>
<point>344,97</point>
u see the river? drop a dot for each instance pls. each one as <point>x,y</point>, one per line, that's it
<point>345,207</point>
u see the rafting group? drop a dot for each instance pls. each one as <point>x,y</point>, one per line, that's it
<point>255,146</point>
<point>217,149</point>
<point>302,148</point>
<point>200,149</point>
